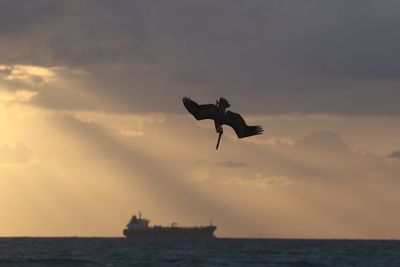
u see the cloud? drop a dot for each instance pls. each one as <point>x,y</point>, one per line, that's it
<point>231,164</point>
<point>394,154</point>
<point>17,153</point>
<point>259,181</point>
<point>278,141</point>
<point>200,174</point>
<point>26,73</point>
<point>266,57</point>
<point>328,141</point>
<point>18,96</point>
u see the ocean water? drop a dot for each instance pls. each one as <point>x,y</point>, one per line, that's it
<point>218,252</point>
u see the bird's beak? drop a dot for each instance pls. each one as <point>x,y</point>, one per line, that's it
<point>219,138</point>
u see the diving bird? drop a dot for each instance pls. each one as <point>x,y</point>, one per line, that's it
<point>221,116</point>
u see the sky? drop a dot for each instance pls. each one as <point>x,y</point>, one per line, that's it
<point>93,127</point>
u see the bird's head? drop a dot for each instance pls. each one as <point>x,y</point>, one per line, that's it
<point>222,102</point>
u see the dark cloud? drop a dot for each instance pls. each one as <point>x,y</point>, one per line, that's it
<point>18,18</point>
<point>395,154</point>
<point>267,57</point>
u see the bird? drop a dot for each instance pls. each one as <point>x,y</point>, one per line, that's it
<point>221,116</point>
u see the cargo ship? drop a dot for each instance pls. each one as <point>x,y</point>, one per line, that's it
<point>138,227</point>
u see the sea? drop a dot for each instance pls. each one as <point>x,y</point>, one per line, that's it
<point>26,252</point>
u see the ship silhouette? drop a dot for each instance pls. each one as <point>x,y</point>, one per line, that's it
<point>138,227</point>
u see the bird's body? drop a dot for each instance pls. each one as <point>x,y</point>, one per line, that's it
<point>221,116</point>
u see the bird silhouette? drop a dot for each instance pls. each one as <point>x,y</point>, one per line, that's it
<point>221,116</point>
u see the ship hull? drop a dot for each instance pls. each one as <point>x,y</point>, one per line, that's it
<point>171,232</point>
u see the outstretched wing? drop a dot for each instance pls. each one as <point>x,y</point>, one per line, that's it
<point>238,124</point>
<point>200,112</point>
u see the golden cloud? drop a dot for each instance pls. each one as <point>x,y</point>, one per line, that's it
<point>7,97</point>
<point>28,74</point>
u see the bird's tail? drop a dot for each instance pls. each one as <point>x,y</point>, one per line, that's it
<point>219,138</point>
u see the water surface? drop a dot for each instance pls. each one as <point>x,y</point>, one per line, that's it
<point>217,252</point>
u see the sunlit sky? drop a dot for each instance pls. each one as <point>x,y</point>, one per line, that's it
<point>93,128</point>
